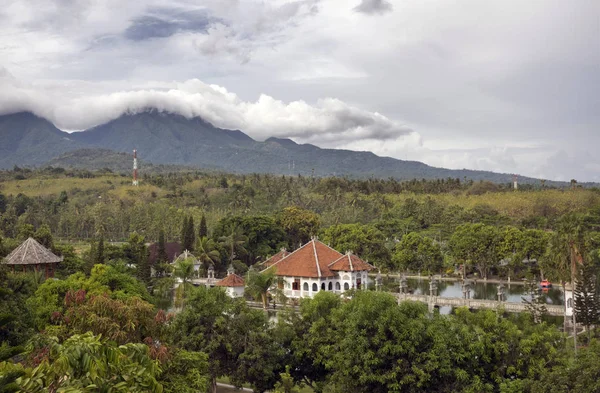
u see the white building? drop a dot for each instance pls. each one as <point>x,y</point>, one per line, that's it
<point>188,255</point>
<point>233,284</point>
<point>569,301</point>
<point>317,267</point>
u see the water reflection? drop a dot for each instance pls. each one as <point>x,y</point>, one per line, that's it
<point>479,290</point>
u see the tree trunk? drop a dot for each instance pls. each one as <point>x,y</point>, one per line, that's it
<point>264,300</point>
<point>565,307</point>
<point>574,319</point>
<point>213,385</point>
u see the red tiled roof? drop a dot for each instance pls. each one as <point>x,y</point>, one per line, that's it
<point>350,263</point>
<point>276,258</point>
<point>310,260</point>
<point>232,280</point>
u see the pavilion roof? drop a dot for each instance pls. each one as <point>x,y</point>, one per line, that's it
<point>310,260</point>
<point>232,280</point>
<point>276,258</point>
<point>350,263</point>
<point>30,252</point>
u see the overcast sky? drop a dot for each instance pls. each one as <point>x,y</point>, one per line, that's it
<point>508,86</point>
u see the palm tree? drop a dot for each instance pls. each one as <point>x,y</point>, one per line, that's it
<point>234,242</point>
<point>184,270</point>
<point>571,230</point>
<point>259,283</point>
<point>206,251</point>
<point>557,264</point>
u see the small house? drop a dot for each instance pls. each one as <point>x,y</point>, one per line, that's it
<point>31,256</point>
<point>233,284</point>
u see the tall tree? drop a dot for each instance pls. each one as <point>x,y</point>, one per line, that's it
<point>236,339</point>
<point>259,283</point>
<point>190,235</point>
<point>184,229</point>
<point>138,254</point>
<point>366,241</point>
<point>44,236</point>
<point>184,271</point>
<point>587,305</point>
<point>206,251</point>
<point>162,256</point>
<point>202,228</point>
<point>299,225</point>
<point>476,245</point>
<point>233,243</point>
<point>572,231</point>
<point>99,251</point>
<point>418,253</point>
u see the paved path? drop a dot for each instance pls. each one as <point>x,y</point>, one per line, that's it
<point>231,387</point>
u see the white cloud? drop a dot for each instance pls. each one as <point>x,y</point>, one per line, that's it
<point>327,120</point>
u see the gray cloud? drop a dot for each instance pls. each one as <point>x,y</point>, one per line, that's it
<point>372,7</point>
<point>503,85</point>
<point>149,26</point>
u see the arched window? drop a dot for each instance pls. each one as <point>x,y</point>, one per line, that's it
<point>346,286</point>
<point>315,287</point>
<point>346,277</point>
<point>305,286</point>
<point>322,286</point>
<point>570,303</point>
<point>337,286</point>
<point>330,285</point>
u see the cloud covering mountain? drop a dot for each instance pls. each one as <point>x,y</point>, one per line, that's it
<point>498,85</point>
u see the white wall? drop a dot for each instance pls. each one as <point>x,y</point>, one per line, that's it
<point>343,277</point>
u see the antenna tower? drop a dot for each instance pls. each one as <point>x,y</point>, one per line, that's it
<point>135,168</point>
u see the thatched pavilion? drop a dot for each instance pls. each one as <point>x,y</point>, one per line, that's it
<point>31,256</point>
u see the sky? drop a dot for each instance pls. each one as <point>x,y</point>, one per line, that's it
<point>508,86</point>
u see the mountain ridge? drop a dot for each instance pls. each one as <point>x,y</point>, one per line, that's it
<point>172,139</point>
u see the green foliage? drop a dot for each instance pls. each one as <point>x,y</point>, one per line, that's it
<point>206,252</point>
<point>259,284</point>
<point>364,240</point>
<point>476,245</point>
<point>202,228</point>
<point>417,253</point>
<point>184,271</point>
<point>25,231</point>
<point>233,243</point>
<point>262,236</point>
<point>299,224</point>
<point>235,338</point>
<point>162,256</point>
<point>188,234</point>
<point>92,365</point>
<point>49,297</point>
<point>185,372</point>
<point>137,252</point>
<point>587,305</point>
<point>44,236</point>
<point>16,322</point>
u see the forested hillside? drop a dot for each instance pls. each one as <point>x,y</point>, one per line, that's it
<point>168,139</point>
<point>114,319</point>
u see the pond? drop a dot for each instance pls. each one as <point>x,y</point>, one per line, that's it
<point>479,290</point>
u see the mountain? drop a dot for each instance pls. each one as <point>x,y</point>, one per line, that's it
<point>94,159</point>
<point>165,138</point>
<point>26,139</point>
